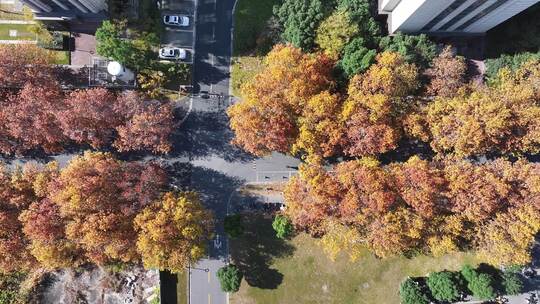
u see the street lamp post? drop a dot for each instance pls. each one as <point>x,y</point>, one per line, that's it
<point>202,269</point>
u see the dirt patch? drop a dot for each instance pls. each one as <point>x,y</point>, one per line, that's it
<point>97,285</point>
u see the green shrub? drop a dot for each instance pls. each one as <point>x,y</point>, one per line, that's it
<point>443,286</point>
<point>116,267</point>
<point>156,299</point>
<point>283,226</point>
<point>512,283</point>
<point>479,284</point>
<point>233,225</point>
<point>10,292</point>
<point>229,277</point>
<point>411,293</point>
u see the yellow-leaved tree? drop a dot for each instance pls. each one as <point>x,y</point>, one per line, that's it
<point>502,118</point>
<point>335,32</point>
<point>341,238</point>
<point>320,133</point>
<point>508,239</point>
<point>173,231</point>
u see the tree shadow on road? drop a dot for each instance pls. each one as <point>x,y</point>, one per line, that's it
<point>214,187</point>
<point>208,74</point>
<point>255,251</point>
<point>207,134</point>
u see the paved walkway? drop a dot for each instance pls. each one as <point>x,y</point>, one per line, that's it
<point>85,49</point>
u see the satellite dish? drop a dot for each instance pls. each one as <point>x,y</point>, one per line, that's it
<point>114,68</point>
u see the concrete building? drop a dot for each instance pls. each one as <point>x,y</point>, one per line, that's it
<point>449,16</point>
<point>66,13</point>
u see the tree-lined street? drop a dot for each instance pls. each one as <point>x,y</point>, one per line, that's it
<point>219,168</point>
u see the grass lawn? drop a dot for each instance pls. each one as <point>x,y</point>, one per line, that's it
<point>243,69</point>
<point>22,32</point>
<point>181,288</point>
<point>61,57</point>
<point>298,272</point>
<point>249,21</point>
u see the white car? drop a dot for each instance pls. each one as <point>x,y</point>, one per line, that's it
<point>176,20</point>
<point>172,53</point>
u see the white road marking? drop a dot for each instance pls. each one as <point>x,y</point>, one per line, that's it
<point>217,242</point>
<point>179,30</point>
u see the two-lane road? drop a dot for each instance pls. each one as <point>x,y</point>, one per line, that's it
<point>211,74</point>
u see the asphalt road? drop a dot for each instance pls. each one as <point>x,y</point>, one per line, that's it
<point>211,74</point>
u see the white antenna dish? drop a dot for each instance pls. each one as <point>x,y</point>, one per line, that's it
<point>114,68</point>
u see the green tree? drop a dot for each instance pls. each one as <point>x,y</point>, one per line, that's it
<point>283,226</point>
<point>360,12</point>
<point>443,286</point>
<point>357,58</point>
<point>512,283</point>
<point>335,32</point>
<point>233,225</point>
<point>415,49</point>
<point>480,284</point>
<point>411,293</point>
<point>230,278</point>
<point>135,51</point>
<point>300,19</point>
<point>110,43</point>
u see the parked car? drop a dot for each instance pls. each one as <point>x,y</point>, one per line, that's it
<point>172,53</point>
<point>176,20</point>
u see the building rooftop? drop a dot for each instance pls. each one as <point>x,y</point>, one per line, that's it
<point>68,9</point>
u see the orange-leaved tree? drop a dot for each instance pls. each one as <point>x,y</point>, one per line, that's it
<point>99,197</point>
<point>266,119</point>
<point>376,101</point>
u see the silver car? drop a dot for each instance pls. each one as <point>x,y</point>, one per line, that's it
<point>172,53</point>
<point>176,20</point>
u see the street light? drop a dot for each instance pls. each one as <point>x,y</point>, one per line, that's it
<point>202,269</point>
